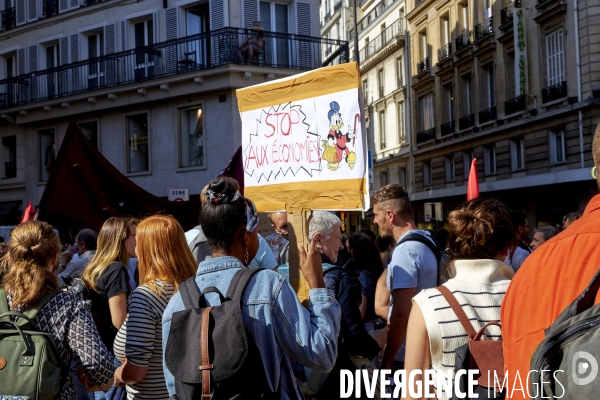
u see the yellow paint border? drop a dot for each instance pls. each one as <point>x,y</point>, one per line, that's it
<point>319,82</point>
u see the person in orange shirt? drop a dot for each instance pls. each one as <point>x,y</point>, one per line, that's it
<point>548,281</point>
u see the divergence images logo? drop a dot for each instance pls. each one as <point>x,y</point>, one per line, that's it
<point>584,364</point>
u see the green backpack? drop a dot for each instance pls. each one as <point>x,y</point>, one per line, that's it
<point>30,367</point>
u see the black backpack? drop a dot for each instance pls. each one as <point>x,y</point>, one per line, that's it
<point>349,269</point>
<point>569,354</point>
<point>209,352</point>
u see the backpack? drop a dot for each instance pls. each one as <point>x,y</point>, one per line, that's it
<point>209,351</point>
<point>484,355</point>
<point>417,237</point>
<point>570,347</point>
<point>349,269</point>
<point>30,366</point>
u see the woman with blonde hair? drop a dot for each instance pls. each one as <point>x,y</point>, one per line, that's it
<point>164,261</point>
<point>29,283</point>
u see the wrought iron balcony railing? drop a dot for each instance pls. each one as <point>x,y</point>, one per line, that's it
<point>447,128</point>
<point>49,8</point>
<point>337,6</point>
<point>463,41</point>
<point>192,53</point>
<point>386,36</point>
<point>487,115</point>
<point>466,122</point>
<point>444,52</point>
<point>8,19</point>
<point>423,65</point>
<point>515,105</point>
<point>426,135</point>
<point>484,29</point>
<point>418,2</point>
<point>372,16</point>
<point>10,169</point>
<point>554,92</point>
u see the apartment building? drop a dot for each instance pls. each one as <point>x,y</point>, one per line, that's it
<point>384,70</point>
<point>336,21</point>
<point>515,85</point>
<point>152,84</point>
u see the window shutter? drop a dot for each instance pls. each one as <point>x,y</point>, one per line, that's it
<point>560,63</point>
<point>217,21</point>
<point>21,62</point>
<point>155,27</point>
<point>303,23</point>
<point>64,50</point>
<point>65,74</point>
<point>555,58</point>
<point>250,8</point>
<point>21,12</point>
<point>74,4</point>
<point>110,47</point>
<point>63,6</point>
<point>32,61</point>
<point>124,65</point>
<point>171,32</point>
<point>32,11</point>
<point>74,57</point>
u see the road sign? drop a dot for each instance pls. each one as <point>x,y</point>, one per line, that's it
<point>179,194</point>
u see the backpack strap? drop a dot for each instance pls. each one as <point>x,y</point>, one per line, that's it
<point>460,313</point>
<point>3,305</point>
<point>189,293</point>
<point>239,282</point>
<point>30,312</point>
<point>417,237</point>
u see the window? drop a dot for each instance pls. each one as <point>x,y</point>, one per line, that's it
<point>47,153</point>
<point>464,17</point>
<point>555,58</point>
<point>95,43</point>
<point>274,18</point>
<point>402,176</point>
<point>381,81</point>
<point>427,112</point>
<point>137,143</point>
<point>400,71</point>
<point>382,133</point>
<point>423,45</point>
<point>52,61</point>
<point>511,89</point>
<point>384,177</point>
<point>517,154</point>
<point>192,137</point>
<point>447,103</point>
<point>488,86</point>
<point>466,95</point>
<point>401,123</point>
<point>467,159</point>
<point>9,155</point>
<point>557,147</point>
<point>144,60</point>
<point>426,173</point>
<point>450,171</point>
<point>90,130</point>
<point>383,34</point>
<point>366,90</point>
<point>10,63</point>
<point>444,30</point>
<point>489,159</point>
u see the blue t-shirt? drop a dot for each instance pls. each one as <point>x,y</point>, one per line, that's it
<point>413,265</point>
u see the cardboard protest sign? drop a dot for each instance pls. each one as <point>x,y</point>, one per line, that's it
<point>304,143</point>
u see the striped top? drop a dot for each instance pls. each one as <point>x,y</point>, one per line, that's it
<point>479,287</point>
<point>140,340</point>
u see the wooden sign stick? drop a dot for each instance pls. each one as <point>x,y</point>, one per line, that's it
<point>298,235</point>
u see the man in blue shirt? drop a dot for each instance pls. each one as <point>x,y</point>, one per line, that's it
<point>413,266</point>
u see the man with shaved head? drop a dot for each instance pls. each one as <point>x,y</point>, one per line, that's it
<point>547,282</point>
<point>86,249</point>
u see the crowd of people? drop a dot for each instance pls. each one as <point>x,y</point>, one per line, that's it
<point>374,301</point>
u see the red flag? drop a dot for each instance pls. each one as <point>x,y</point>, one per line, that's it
<point>473,184</point>
<point>28,214</point>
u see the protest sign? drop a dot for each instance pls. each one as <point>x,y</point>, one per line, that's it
<point>304,143</point>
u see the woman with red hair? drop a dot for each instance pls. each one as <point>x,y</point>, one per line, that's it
<point>164,261</point>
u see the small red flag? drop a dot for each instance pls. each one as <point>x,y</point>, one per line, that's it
<point>28,214</point>
<point>473,184</point>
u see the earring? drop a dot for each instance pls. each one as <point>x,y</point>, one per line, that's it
<point>246,258</point>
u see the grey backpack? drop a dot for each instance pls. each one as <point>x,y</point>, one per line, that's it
<point>570,352</point>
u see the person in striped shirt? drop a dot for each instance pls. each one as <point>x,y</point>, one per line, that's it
<point>481,234</point>
<point>164,261</point>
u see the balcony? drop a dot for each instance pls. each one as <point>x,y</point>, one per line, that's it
<point>444,52</point>
<point>10,169</point>
<point>487,115</point>
<point>554,92</point>
<point>466,122</point>
<point>375,13</point>
<point>423,65</point>
<point>388,34</point>
<point>193,53</point>
<point>8,19</point>
<point>447,128</point>
<point>418,3</point>
<point>484,29</point>
<point>515,105</point>
<point>337,6</point>
<point>426,135</point>
<point>49,8</point>
<point>463,41</point>
<point>506,14</point>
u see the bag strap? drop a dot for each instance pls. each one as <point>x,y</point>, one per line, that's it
<point>417,237</point>
<point>239,282</point>
<point>206,366</point>
<point>3,304</point>
<point>189,293</point>
<point>30,312</point>
<point>460,313</point>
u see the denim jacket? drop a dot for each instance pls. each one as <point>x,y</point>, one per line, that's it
<point>273,315</point>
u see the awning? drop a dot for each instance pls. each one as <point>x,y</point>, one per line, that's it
<point>7,206</point>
